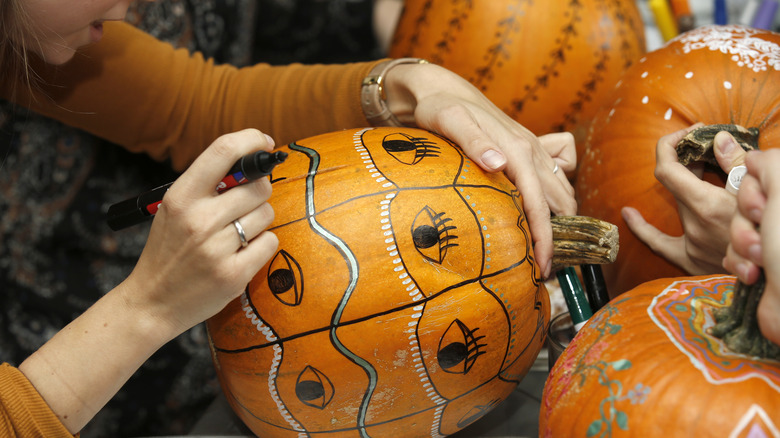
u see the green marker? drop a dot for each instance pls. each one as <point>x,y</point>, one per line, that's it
<point>579,309</point>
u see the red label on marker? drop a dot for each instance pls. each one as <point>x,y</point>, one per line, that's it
<point>153,207</point>
<point>231,181</point>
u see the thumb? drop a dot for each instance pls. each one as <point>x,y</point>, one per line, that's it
<point>728,152</point>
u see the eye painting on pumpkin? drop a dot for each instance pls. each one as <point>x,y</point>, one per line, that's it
<point>408,149</point>
<point>431,234</point>
<point>285,279</point>
<point>458,346</point>
<point>313,388</point>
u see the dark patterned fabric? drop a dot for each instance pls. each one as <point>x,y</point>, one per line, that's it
<point>58,256</point>
<point>314,31</point>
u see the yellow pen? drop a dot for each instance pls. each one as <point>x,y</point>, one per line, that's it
<point>664,18</point>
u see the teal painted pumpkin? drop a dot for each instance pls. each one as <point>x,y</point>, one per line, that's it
<point>645,365</point>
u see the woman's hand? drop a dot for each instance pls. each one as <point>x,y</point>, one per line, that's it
<point>439,100</point>
<point>705,210</point>
<point>192,266</point>
<point>193,263</point>
<point>755,235</point>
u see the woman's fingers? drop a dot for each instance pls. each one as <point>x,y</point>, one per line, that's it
<point>240,200</point>
<point>250,225</point>
<point>743,255</point>
<point>669,247</point>
<point>560,146</point>
<point>686,187</point>
<point>215,162</point>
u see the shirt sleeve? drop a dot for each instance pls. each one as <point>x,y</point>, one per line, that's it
<point>147,96</point>
<point>23,412</point>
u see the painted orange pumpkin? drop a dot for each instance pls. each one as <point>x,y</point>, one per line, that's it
<point>713,75</point>
<point>404,299</point>
<point>645,365</point>
<point>548,64</point>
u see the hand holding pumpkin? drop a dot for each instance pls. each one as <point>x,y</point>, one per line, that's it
<point>441,101</point>
<point>755,236</point>
<point>705,210</point>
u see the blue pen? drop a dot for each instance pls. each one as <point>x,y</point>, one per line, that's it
<point>765,17</point>
<point>721,16</point>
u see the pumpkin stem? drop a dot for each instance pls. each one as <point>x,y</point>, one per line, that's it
<point>579,240</point>
<point>697,145</point>
<point>737,325</point>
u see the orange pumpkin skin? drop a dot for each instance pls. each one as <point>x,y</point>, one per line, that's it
<point>404,299</point>
<point>714,74</point>
<point>548,64</point>
<point>644,366</point>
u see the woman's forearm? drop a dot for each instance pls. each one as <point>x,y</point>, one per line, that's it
<point>83,366</point>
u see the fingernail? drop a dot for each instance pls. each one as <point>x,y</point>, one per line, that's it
<point>493,159</point>
<point>743,271</point>
<point>629,213</point>
<point>727,145</point>
<point>755,215</point>
<point>754,251</point>
<point>547,269</point>
<point>269,139</point>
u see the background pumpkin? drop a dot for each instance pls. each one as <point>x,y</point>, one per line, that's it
<point>404,299</point>
<point>714,74</point>
<point>645,365</point>
<point>548,64</point>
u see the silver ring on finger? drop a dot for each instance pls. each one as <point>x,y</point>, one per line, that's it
<point>555,169</point>
<point>241,233</point>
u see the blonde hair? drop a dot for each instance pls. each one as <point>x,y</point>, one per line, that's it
<point>16,29</point>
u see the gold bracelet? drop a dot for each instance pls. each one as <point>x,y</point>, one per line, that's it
<point>372,93</point>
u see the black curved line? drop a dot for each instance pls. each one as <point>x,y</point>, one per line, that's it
<point>374,315</point>
<point>447,228</point>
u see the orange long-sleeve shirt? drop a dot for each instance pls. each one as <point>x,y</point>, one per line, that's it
<point>23,412</point>
<point>143,94</point>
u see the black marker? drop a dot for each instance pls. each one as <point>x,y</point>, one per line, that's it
<point>143,207</point>
<point>595,286</point>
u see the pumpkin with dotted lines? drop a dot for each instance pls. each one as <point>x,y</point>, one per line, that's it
<point>547,64</point>
<point>404,299</point>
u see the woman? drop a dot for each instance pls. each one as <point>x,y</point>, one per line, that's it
<point>129,88</point>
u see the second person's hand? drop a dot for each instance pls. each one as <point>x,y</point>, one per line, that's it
<point>705,210</point>
<point>439,100</point>
<point>755,236</point>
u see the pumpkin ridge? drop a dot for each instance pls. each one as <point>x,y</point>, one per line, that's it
<point>495,51</point>
<point>450,33</point>
<point>549,69</point>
